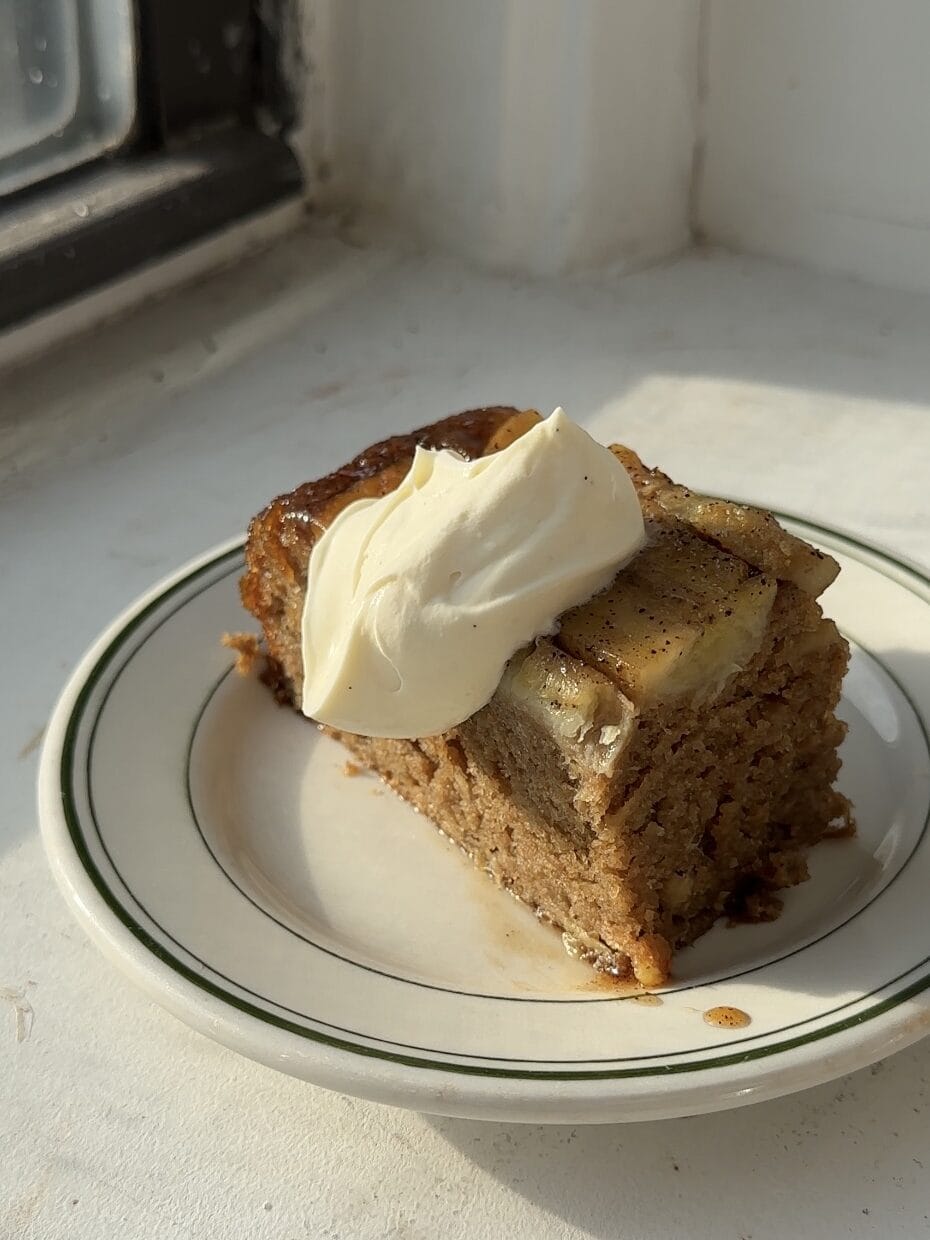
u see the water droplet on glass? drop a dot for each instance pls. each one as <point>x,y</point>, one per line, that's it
<point>51,81</point>
<point>35,76</point>
<point>104,95</point>
<point>80,210</point>
<point>41,43</point>
<point>232,34</point>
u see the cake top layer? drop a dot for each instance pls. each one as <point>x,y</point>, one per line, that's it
<point>282,537</point>
<point>298,517</point>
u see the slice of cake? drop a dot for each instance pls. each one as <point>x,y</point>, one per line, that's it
<point>665,756</point>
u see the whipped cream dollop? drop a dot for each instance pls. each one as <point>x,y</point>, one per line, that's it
<point>417,599</point>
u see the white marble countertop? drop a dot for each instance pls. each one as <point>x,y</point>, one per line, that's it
<point>125,453</point>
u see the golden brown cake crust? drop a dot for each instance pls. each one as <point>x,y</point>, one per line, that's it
<point>293,522</point>
<point>282,536</point>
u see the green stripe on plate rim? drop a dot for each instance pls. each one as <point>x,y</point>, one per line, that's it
<point>73,822</point>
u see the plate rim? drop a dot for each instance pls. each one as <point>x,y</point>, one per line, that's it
<point>200,1002</point>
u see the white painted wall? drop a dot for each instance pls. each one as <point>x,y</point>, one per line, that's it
<point>540,135</point>
<point>817,130</point>
<point>552,135</point>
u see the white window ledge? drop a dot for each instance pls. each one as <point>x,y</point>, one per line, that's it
<point>142,443</point>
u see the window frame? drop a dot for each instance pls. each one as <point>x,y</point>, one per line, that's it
<point>207,148</point>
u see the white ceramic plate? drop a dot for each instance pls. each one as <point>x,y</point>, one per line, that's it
<point>211,844</point>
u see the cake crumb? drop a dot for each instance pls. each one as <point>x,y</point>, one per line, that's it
<point>846,831</point>
<point>247,648</point>
<point>756,903</point>
<point>351,769</point>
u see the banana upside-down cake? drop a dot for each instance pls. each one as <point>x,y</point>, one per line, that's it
<point>663,755</point>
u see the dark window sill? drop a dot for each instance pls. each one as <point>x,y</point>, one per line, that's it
<point>112,218</point>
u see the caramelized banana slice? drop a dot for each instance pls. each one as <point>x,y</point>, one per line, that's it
<point>676,623</point>
<point>750,533</point>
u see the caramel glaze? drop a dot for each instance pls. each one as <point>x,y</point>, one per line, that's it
<point>727,1017</point>
<point>283,534</point>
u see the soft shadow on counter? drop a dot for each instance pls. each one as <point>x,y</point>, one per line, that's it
<point>758,1163</point>
<point>735,1173</point>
